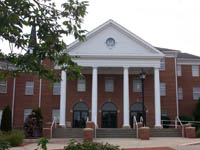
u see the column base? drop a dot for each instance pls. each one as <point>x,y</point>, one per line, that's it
<point>126,126</point>
<point>158,127</point>
<point>61,126</point>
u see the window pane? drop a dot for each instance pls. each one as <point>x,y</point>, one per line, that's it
<point>109,85</point>
<point>56,88</point>
<point>179,70</point>
<point>162,89</point>
<point>81,85</point>
<point>137,86</point>
<point>3,86</point>
<point>27,112</point>
<point>180,93</point>
<point>196,93</point>
<point>162,64</point>
<point>29,88</point>
<point>56,115</point>
<point>195,70</point>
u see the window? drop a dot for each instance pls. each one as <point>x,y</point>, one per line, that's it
<point>81,85</point>
<point>196,93</point>
<point>56,88</point>
<point>180,93</point>
<point>162,89</point>
<point>56,115</point>
<point>29,88</point>
<point>1,112</point>
<point>179,70</point>
<point>27,112</point>
<point>195,70</point>
<point>163,112</point>
<point>162,64</point>
<point>3,86</point>
<point>109,85</point>
<point>137,86</point>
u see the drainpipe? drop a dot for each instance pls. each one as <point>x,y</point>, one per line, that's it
<point>13,100</point>
<point>176,80</point>
<point>40,93</point>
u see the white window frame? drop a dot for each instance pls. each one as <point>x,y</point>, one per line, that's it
<point>196,93</point>
<point>162,89</point>
<point>1,113</point>
<point>180,93</point>
<point>56,88</point>
<point>179,70</point>
<point>29,87</point>
<point>109,85</point>
<point>27,112</point>
<point>3,84</point>
<point>56,115</point>
<point>195,70</point>
<point>164,113</point>
<point>137,85</point>
<point>162,64</point>
<point>81,85</point>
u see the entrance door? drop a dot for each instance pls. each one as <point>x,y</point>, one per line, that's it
<point>80,115</point>
<point>80,118</point>
<point>137,111</point>
<point>109,116</point>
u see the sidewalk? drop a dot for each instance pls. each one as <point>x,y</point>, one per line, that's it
<point>176,143</point>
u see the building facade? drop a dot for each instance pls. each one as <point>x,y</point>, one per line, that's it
<point>111,92</point>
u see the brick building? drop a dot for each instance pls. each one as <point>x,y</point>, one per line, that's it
<point>113,59</point>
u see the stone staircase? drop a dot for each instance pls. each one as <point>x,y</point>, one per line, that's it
<point>166,132</point>
<point>113,133</point>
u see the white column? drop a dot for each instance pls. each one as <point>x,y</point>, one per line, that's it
<point>157,97</point>
<point>94,95</point>
<point>63,98</point>
<point>126,98</point>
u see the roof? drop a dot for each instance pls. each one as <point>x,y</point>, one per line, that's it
<point>179,53</point>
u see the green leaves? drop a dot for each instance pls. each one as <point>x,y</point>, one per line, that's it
<point>50,27</point>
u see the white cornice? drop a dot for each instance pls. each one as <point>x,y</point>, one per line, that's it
<point>186,61</point>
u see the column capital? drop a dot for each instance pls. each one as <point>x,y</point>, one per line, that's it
<point>126,67</point>
<point>95,67</point>
<point>157,67</point>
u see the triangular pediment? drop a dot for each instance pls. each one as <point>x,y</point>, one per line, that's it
<point>125,43</point>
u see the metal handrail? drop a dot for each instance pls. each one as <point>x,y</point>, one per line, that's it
<point>135,124</point>
<point>178,119</point>
<point>142,120</point>
<point>54,122</point>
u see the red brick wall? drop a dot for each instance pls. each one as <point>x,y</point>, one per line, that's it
<point>187,82</point>
<point>168,102</point>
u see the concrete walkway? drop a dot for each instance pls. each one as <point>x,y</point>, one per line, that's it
<point>175,143</point>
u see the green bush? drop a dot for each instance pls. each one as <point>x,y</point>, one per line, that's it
<point>73,145</point>
<point>197,111</point>
<point>4,145</point>
<point>6,121</point>
<point>185,118</point>
<point>198,133</point>
<point>14,138</point>
<point>167,121</point>
<point>38,114</point>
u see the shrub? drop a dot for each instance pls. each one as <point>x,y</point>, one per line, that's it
<point>6,121</point>
<point>73,145</point>
<point>198,133</point>
<point>197,111</point>
<point>42,144</point>
<point>4,145</point>
<point>185,118</point>
<point>38,114</point>
<point>14,138</point>
<point>167,121</point>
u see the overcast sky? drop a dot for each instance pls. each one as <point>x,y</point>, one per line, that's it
<point>171,24</point>
<point>165,23</point>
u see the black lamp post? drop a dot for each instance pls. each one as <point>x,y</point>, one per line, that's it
<point>142,77</point>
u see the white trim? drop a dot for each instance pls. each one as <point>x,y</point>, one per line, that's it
<point>186,61</point>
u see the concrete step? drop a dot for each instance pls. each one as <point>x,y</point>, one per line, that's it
<point>68,133</point>
<point>165,132</point>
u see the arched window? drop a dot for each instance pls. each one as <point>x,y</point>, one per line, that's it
<point>80,106</point>
<point>109,107</point>
<point>137,107</point>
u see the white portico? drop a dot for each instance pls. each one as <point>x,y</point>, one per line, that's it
<point>111,45</point>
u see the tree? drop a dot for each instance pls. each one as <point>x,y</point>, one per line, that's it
<point>49,26</point>
<point>197,111</point>
<point>6,121</point>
